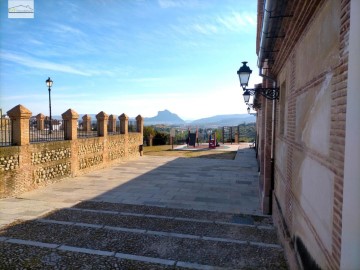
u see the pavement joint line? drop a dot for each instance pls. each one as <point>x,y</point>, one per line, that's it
<point>260,244</point>
<point>262,227</point>
<point>157,216</point>
<point>31,243</point>
<point>43,220</point>
<point>234,224</point>
<point>145,259</point>
<point>3,239</point>
<point>167,234</point>
<point>122,229</point>
<point>131,214</point>
<point>88,225</point>
<point>171,234</point>
<point>169,217</point>
<point>86,250</point>
<point>92,211</point>
<point>199,266</point>
<point>207,238</point>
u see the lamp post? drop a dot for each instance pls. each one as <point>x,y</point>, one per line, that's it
<point>244,75</point>
<point>49,83</point>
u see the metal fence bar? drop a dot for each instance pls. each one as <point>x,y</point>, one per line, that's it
<point>117,131</point>
<point>81,133</point>
<point>46,134</point>
<point>5,130</point>
<point>132,126</point>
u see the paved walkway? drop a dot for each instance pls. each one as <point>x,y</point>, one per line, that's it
<point>153,213</point>
<point>188,183</point>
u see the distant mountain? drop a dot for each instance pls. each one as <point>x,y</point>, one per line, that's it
<point>225,120</point>
<point>164,117</point>
<point>168,118</point>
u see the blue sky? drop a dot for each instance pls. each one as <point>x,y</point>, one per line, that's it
<point>129,56</point>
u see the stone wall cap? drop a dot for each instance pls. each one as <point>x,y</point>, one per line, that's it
<point>86,117</point>
<point>102,115</point>
<point>19,111</point>
<point>139,117</point>
<point>70,114</point>
<point>124,116</point>
<point>112,116</point>
<point>40,115</point>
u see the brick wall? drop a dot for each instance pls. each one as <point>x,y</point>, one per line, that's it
<point>312,62</point>
<point>30,166</point>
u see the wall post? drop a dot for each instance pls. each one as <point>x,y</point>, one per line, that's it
<point>40,121</point>
<point>20,117</point>
<point>112,123</point>
<point>102,119</point>
<point>86,122</point>
<point>236,138</point>
<point>70,118</point>
<point>124,123</point>
<point>140,125</point>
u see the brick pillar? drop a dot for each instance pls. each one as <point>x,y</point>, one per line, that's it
<point>40,119</point>
<point>112,123</point>
<point>124,123</point>
<point>70,118</point>
<point>150,138</point>
<point>102,119</point>
<point>86,122</point>
<point>237,138</point>
<point>140,124</point>
<point>20,117</point>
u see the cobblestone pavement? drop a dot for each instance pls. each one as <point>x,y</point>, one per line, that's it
<point>151,213</point>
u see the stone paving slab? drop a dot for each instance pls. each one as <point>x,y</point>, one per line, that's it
<point>190,183</point>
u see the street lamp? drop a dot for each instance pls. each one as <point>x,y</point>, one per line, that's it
<point>244,75</point>
<point>49,83</point>
<point>251,106</point>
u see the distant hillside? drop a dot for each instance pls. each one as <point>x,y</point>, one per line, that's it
<point>225,120</point>
<point>168,118</point>
<point>164,117</point>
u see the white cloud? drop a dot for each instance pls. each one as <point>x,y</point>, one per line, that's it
<point>237,21</point>
<point>205,29</point>
<point>41,64</point>
<point>66,29</point>
<point>178,3</point>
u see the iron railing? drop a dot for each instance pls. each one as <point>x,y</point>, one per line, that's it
<point>132,126</point>
<point>117,129</point>
<point>55,132</point>
<point>5,130</point>
<point>83,133</point>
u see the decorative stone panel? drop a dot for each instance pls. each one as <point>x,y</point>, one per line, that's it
<point>89,162</point>
<point>90,148</point>
<point>50,155</point>
<point>9,163</point>
<point>134,138</point>
<point>56,171</point>
<point>118,153</point>
<point>133,150</point>
<point>116,148</point>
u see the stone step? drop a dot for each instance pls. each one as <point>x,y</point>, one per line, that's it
<point>257,220</point>
<point>96,235</point>
<point>166,224</point>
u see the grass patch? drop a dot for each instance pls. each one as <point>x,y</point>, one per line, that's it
<point>166,151</point>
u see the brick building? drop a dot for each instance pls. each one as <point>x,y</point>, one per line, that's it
<point>308,144</point>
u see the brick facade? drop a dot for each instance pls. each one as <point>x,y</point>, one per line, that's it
<point>310,66</point>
